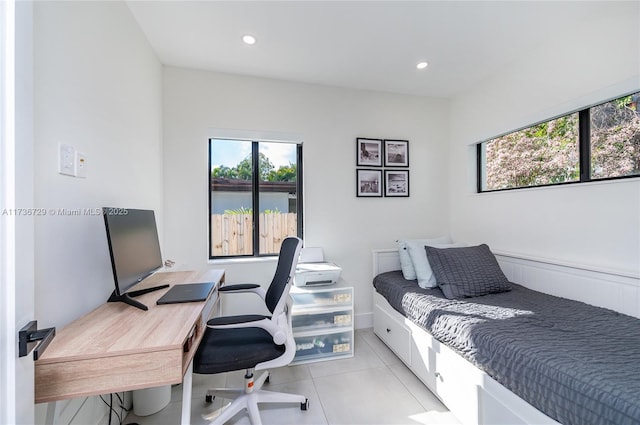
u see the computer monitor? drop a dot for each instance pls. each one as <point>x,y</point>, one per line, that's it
<point>134,249</point>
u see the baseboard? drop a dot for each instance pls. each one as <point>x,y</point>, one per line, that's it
<point>85,411</point>
<point>363,320</point>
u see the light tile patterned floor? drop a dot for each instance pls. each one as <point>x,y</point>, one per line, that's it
<point>372,388</point>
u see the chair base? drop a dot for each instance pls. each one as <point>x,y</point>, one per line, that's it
<point>248,398</point>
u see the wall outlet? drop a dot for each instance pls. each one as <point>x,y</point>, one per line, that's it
<point>81,165</point>
<point>66,160</point>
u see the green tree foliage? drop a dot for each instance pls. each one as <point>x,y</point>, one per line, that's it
<point>223,172</point>
<point>244,169</point>
<point>543,154</point>
<point>548,153</point>
<point>286,173</point>
<point>267,171</point>
<point>249,211</point>
<point>615,138</point>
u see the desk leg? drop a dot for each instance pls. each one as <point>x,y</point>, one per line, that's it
<point>187,381</point>
<point>52,411</point>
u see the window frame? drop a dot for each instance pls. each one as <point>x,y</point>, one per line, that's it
<point>255,196</point>
<point>584,149</point>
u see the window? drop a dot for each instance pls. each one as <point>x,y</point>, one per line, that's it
<point>615,138</point>
<point>255,196</point>
<point>601,142</point>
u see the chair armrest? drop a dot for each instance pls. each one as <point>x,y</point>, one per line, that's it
<point>243,288</point>
<point>228,321</point>
<point>238,287</point>
<point>251,321</point>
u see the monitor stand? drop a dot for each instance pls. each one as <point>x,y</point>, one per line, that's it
<point>126,297</point>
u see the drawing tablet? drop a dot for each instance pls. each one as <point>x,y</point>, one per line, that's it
<point>189,292</point>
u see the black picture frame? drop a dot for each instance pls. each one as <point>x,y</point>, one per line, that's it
<point>396,183</point>
<point>369,183</point>
<point>369,152</point>
<point>396,153</point>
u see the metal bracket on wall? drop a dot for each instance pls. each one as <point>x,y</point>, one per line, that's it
<point>28,337</point>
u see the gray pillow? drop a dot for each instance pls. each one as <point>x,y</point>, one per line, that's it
<point>467,272</point>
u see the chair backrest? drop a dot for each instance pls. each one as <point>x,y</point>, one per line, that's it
<point>287,261</point>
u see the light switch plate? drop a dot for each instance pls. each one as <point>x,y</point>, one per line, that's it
<point>66,160</point>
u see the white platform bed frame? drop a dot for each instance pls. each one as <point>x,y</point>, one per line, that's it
<point>469,393</point>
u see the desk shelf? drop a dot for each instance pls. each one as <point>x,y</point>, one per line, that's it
<point>322,321</point>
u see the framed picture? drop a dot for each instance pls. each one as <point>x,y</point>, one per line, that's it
<point>396,183</point>
<point>369,152</point>
<point>396,153</point>
<point>369,183</point>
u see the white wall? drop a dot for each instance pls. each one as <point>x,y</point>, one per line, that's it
<point>595,225</point>
<point>16,188</point>
<point>97,88</point>
<point>328,120</point>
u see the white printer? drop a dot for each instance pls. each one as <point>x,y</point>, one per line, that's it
<point>312,270</point>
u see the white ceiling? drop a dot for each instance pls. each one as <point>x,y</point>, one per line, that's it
<point>372,45</point>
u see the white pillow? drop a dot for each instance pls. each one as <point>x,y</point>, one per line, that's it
<point>418,255</point>
<point>406,263</point>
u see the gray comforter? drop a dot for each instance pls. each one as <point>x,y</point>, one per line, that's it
<point>577,363</point>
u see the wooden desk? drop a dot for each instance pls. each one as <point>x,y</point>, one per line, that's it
<point>117,347</point>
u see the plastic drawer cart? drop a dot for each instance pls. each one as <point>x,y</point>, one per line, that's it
<point>322,322</point>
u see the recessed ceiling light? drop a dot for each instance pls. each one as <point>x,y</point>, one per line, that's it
<point>422,65</point>
<point>248,39</point>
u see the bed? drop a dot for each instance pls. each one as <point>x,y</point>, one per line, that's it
<point>511,356</point>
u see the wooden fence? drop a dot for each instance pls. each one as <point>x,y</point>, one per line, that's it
<point>232,234</point>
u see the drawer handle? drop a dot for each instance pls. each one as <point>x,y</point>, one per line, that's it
<point>438,376</point>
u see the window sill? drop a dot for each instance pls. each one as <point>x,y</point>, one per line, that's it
<point>243,260</point>
<point>577,184</point>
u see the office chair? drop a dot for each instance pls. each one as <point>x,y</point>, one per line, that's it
<point>253,342</point>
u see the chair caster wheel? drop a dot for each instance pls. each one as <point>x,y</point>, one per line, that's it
<point>305,405</point>
<point>209,398</point>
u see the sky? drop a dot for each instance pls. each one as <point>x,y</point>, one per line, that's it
<point>231,152</point>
